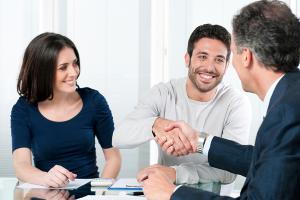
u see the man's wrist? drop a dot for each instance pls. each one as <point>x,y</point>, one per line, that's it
<point>174,179</point>
<point>154,126</point>
<point>201,141</point>
<point>154,135</point>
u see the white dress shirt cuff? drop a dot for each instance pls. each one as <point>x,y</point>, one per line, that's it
<point>178,186</point>
<point>207,145</point>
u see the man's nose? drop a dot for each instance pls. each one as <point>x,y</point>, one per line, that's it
<point>210,65</point>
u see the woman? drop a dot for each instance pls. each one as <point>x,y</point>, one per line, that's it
<point>56,121</point>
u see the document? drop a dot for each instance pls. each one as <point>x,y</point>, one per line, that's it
<point>112,197</point>
<point>71,185</point>
<point>102,182</point>
<point>126,184</point>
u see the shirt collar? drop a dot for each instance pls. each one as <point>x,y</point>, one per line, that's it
<point>268,96</point>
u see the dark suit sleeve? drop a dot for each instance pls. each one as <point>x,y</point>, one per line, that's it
<point>230,156</point>
<point>189,193</point>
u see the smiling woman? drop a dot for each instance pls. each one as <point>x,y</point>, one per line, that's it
<point>56,120</point>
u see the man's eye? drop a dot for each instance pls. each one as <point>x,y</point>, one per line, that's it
<point>202,57</point>
<point>219,60</point>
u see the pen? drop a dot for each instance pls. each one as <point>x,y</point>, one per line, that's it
<point>137,193</point>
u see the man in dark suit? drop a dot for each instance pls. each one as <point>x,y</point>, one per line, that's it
<point>266,49</point>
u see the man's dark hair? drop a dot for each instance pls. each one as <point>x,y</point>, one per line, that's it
<point>39,64</point>
<point>216,32</point>
<point>271,31</point>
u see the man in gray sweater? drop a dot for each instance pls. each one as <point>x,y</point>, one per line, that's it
<point>201,99</point>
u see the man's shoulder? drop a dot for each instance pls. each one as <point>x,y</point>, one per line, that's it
<point>227,92</point>
<point>171,87</point>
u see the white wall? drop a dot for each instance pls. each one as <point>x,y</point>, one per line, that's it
<point>17,27</point>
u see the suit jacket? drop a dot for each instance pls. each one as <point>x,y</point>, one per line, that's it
<point>272,166</point>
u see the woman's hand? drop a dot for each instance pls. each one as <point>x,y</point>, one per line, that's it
<point>48,194</point>
<point>58,176</point>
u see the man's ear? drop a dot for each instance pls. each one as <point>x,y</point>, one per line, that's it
<point>187,59</point>
<point>247,57</point>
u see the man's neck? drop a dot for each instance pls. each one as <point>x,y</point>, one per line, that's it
<point>265,82</point>
<point>196,95</point>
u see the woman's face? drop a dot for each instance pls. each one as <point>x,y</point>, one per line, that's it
<point>67,71</point>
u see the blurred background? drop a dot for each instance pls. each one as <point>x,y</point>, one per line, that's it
<point>125,46</point>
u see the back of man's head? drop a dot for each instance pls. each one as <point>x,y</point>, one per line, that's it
<point>209,31</point>
<point>271,31</point>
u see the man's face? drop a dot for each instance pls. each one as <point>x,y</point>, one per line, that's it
<point>207,64</point>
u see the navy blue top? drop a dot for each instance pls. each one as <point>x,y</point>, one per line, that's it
<point>71,143</point>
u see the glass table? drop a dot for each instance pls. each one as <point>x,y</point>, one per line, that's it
<point>8,191</point>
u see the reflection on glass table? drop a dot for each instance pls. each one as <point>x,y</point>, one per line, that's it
<point>8,191</point>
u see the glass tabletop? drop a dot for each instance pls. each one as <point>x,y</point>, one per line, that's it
<point>7,185</point>
<point>8,191</point>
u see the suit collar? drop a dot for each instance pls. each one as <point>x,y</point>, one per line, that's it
<point>282,87</point>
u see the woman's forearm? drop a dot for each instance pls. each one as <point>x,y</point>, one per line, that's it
<point>112,164</point>
<point>29,173</point>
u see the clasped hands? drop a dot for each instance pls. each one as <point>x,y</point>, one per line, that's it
<point>176,138</point>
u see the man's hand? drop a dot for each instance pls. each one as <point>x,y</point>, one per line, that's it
<point>158,186</point>
<point>173,138</point>
<point>168,171</point>
<point>159,126</point>
<point>187,136</point>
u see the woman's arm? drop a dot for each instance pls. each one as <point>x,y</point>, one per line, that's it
<point>112,163</point>
<point>56,177</point>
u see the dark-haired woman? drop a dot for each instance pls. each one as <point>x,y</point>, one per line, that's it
<point>56,121</point>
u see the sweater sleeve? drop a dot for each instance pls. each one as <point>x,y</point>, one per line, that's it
<point>238,120</point>
<point>192,173</point>
<point>136,128</point>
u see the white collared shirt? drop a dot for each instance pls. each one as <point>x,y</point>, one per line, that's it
<point>268,96</point>
<point>266,102</point>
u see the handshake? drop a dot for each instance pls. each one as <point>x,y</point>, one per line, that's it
<point>177,138</point>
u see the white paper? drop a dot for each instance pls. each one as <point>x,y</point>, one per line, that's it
<point>102,182</point>
<point>71,185</point>
<point>112,197</point>
<point>126,183</point>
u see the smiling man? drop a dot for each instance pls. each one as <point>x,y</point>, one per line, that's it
<point>201,100</point>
